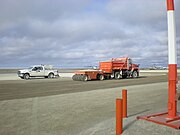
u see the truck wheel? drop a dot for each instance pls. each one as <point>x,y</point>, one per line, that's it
<point>73,77</point>
<point>134,74</point>
<point>81,77</point>
<point>85,78</point>
<point>124,76</point>
<point>107,77</point>
<point>117,75</point>
<point>26,76</point>
<point>51,75</point>
<point>101,77</point>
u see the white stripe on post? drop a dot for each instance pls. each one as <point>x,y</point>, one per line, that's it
<point>172,38</point>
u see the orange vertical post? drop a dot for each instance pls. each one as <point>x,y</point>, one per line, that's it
<point>119,116</point>
<point>172,56</point>
<point>172,117</point>
<point>124,97</point>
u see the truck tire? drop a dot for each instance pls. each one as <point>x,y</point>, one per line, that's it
<point>79,78</point>
<point>117,75</point>
<point>134,74</point>
<point>85,78</point>
<point>107,77</point>
<point>26,76</point>
<point>101,77</point>
<point>82,78</point>
<point>74,77</point>
<point>51,75</point>
<point>124,76</point>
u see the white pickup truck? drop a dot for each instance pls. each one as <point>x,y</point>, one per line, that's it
<point>38,71</point>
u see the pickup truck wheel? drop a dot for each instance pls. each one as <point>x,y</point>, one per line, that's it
<point>117,75</point>
<point>134,74</point>
<point>26,76</point>
<point>101,77</point>
<point>51,75</point>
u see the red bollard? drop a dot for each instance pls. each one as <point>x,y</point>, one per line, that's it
<point>124,97</point>
<point>119,116</point>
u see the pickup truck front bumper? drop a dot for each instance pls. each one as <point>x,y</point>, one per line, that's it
<point>20,74</point>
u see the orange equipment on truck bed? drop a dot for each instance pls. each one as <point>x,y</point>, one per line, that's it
<point>115,68</point>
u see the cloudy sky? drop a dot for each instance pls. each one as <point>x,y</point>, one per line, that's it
<point>80,33</point>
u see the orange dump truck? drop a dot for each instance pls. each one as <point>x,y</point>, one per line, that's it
<point>116,68</point>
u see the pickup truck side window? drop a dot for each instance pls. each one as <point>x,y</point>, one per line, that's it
<point>34,69</point>
<point>39,68</point>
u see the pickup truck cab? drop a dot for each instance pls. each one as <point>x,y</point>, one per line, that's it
<point>45,71</point>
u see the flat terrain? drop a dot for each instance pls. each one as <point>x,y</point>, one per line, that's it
<point>16,89</point>
<point>61,106</point>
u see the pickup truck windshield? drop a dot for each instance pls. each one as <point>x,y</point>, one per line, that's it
<point>30,67</point>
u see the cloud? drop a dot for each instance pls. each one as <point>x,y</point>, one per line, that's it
<point>76,34</point>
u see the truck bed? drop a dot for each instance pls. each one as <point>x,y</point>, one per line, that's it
<point>109,66</point>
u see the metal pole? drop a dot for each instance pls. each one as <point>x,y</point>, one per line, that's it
<point>124,98</point>
<point>172,56</point>
<point>119,116</point>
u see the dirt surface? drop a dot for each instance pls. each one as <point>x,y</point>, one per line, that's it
<point>62,106</point>
<point>85,113</point>
<point>16,89</point>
